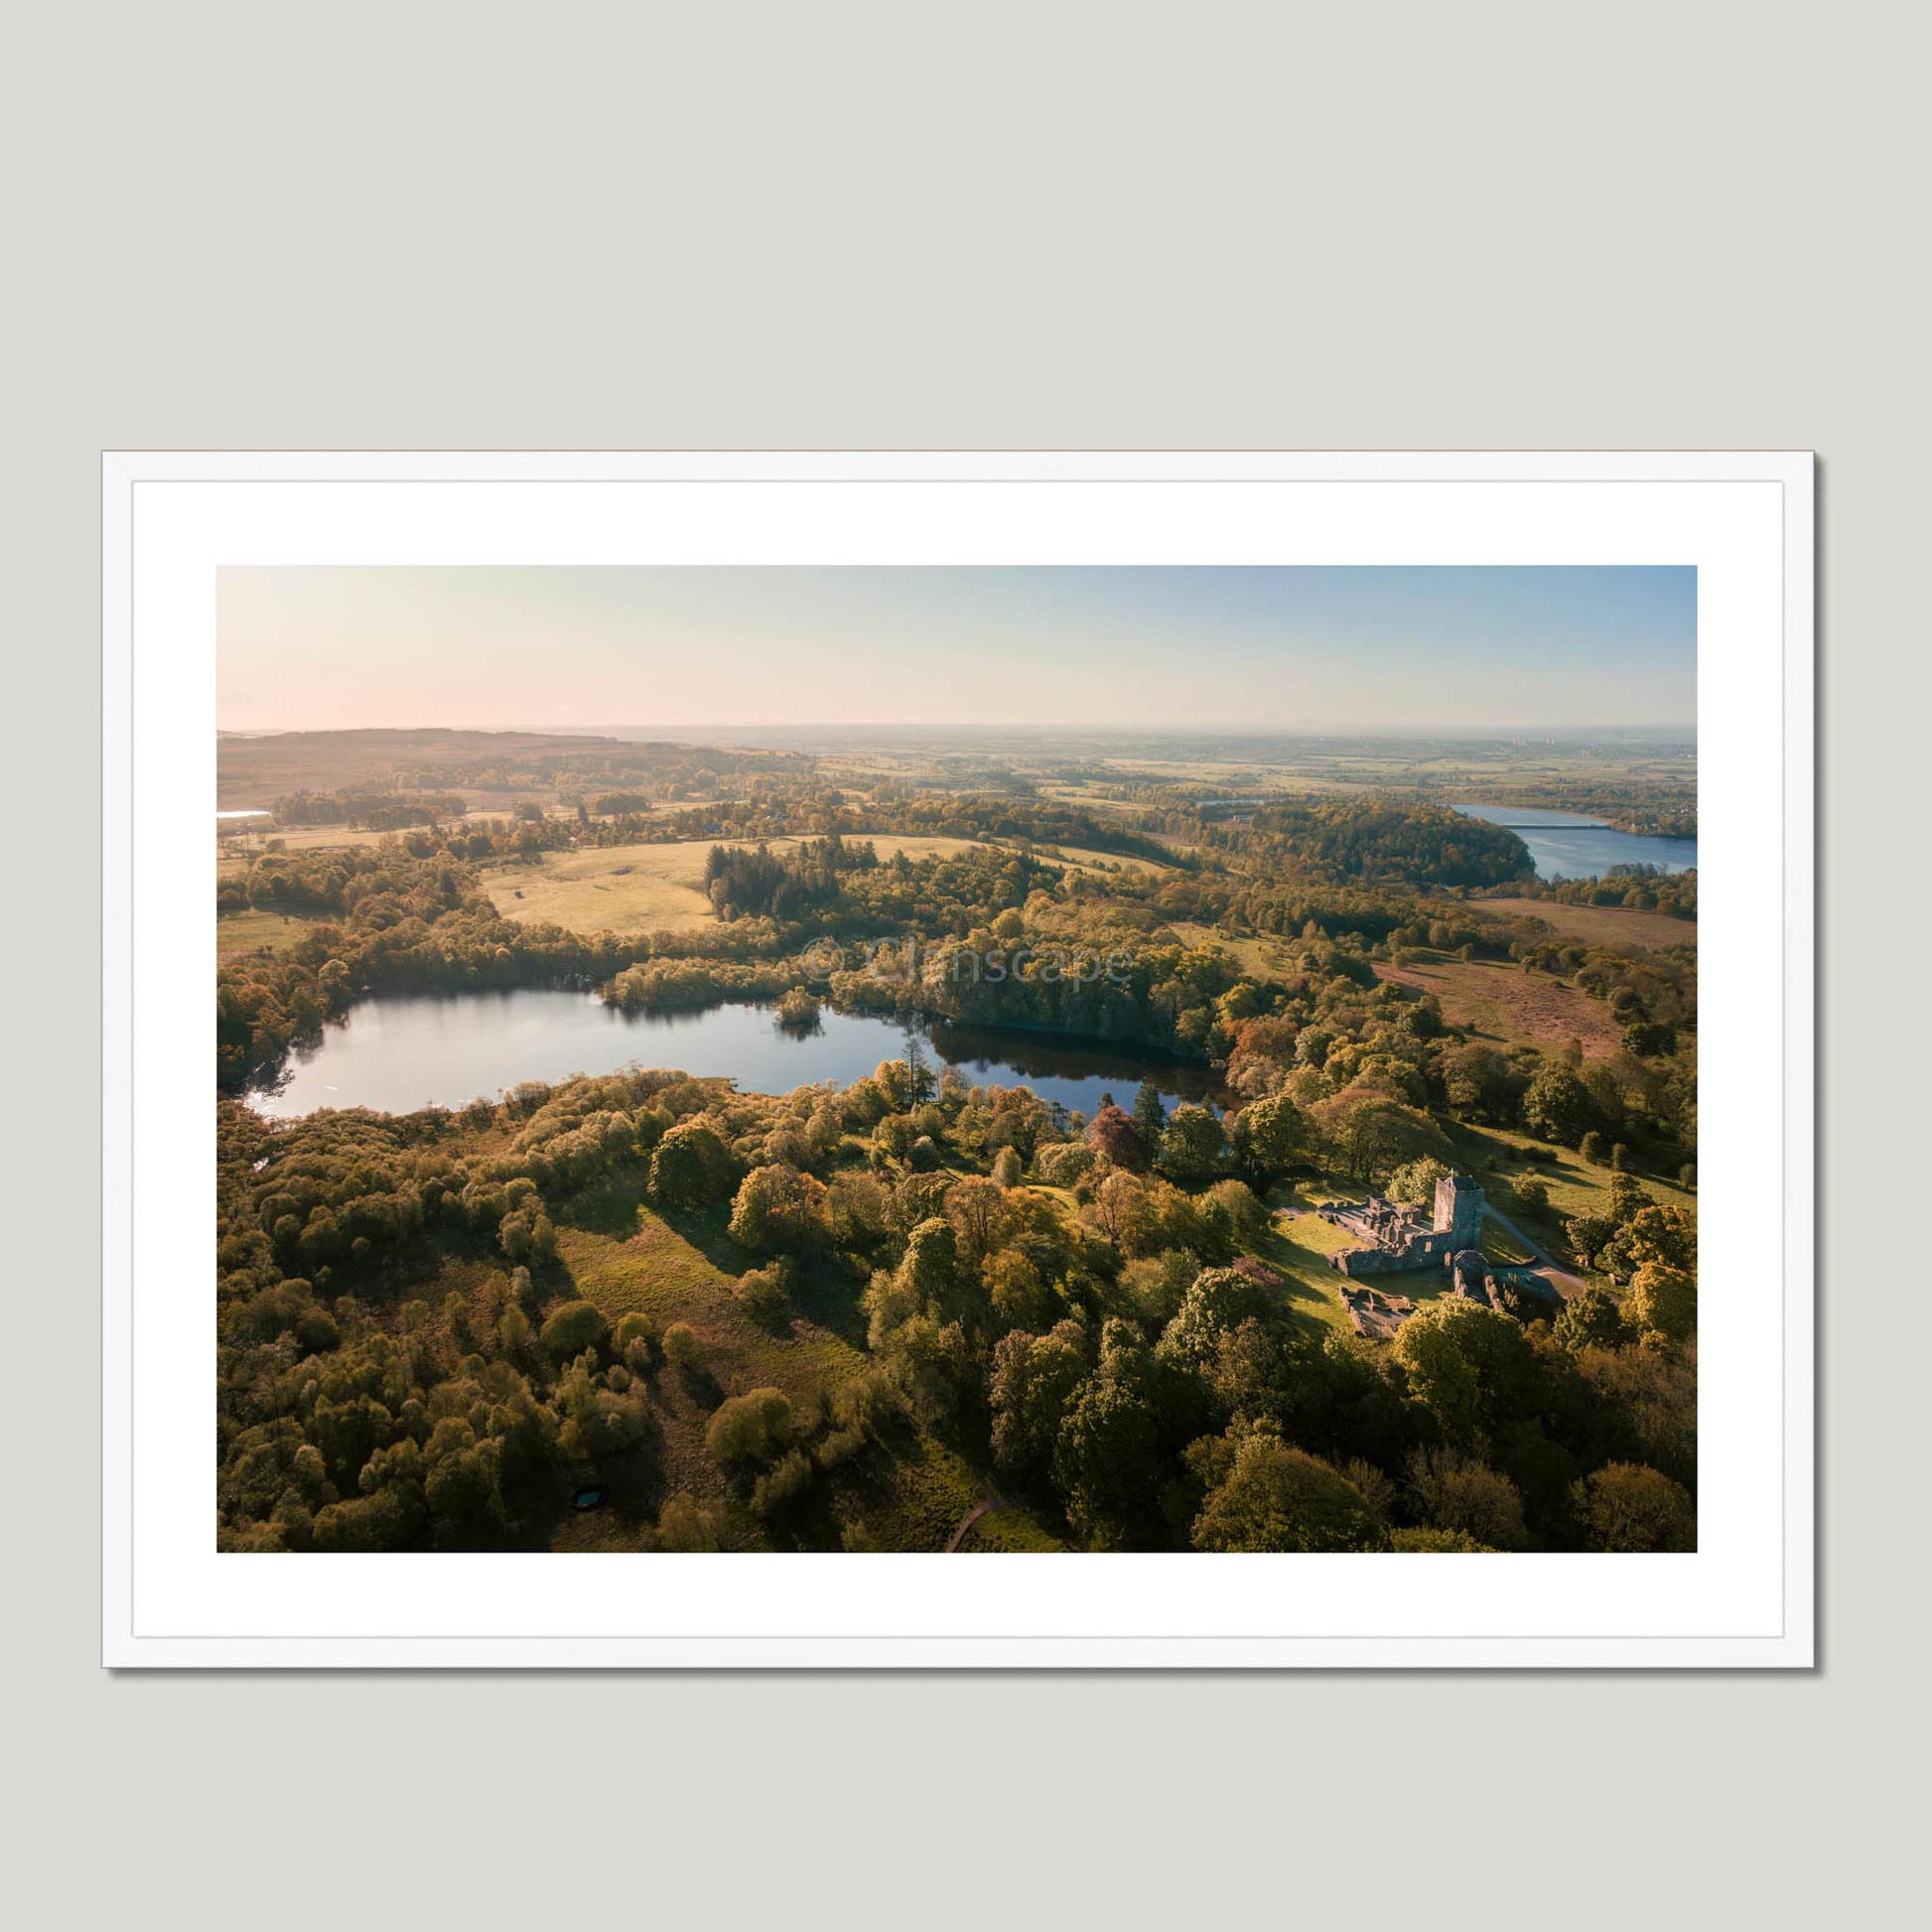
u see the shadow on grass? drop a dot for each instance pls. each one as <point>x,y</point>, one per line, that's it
<point>609,1208</point>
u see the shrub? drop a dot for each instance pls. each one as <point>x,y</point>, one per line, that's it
<point>635,1341</point>
<point>683,1353</point>
<point>749,1428</point>
<point>685,1524</point>
<point>761,1293</point>
<point>786,1483</point>
<point>1531,1192</point>
<point>1064,1163</point>
<point>571,1327</point>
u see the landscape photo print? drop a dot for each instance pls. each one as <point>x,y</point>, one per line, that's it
<point>787,1028</point>
<point>981,1060</point>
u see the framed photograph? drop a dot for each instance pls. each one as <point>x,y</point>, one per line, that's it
<point>958,1060</point>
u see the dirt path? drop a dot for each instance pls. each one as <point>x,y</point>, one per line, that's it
<point>971,1517</point>
<point>1567,1283</point>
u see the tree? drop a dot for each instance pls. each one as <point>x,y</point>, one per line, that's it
<point>690,1167</point>
<point>1531,1192</point>
<point>1020,1298</point>
<point>1150,1114</point>
<point>1625,1506</point>
<point>918,1071</point>
<point>1123,1210</point>
<point>749,1428</point>
<point>1453,1541</point>
<point>684,1355</point>
<point>980,1215</point>
<point>1236,1219</point>
<point>1663,1302</point>
<point>929,1264</point>
<point>1217,1303</point>
<point>1034,1378</point>
<point>572,1327</point>
<point>1274,1497</point>
<point>635,1341</point>
<point>1194,1146</point>
<point>1667,1235</point>
<point>1371,1129</point>
<point>1270,1135</point>
<point>1481,1082</point>
<point>764,1294</point>
<point>1114,1134</point>
<point>932,1364</point>
<point>1588,1235</point>
<point>1472,1368</point>
<point>1591,1319</point>
<point>1415,1182</point>
<point>1455,1492</point>
<point>1558,1106</point>
<point>1006,1166</point>
<point>779,1208</point>
<point>1106,1461</point>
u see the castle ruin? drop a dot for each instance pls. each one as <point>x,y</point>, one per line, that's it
<point>1394,1236</point>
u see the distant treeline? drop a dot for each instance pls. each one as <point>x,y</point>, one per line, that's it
<point>1373,842</point>
<point>371,811</point>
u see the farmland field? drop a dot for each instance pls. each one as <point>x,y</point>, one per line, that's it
<point>1597,925</point>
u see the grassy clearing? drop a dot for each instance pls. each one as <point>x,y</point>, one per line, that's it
<point>1597,925</point>
<point>1503,1003</point>
<point>642,888</point>
<point>1007,1530</point>
<point>625,1257</point>
<point>1498,1157</point>
<point>1263,958</point>
<point>253,930</point>
<point>1084,859</point>
<point>1299,1244</point>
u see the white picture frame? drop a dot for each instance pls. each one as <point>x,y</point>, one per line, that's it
<point>1745,1598</point>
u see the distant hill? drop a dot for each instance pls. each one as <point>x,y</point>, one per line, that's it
<point>252,772</point>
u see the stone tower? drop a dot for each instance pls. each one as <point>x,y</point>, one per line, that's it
<point>1459,1210</point>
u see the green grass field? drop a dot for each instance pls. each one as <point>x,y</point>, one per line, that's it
<point>640,887</point>
<point>253,930</point>
<point>1597,925</point>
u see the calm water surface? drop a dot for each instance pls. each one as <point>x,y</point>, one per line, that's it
<point>1566,845</point>
<point>446,1049</point>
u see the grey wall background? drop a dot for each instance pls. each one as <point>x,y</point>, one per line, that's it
<point>1032,225</point>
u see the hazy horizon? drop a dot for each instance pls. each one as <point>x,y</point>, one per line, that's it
<point>1226,650</point>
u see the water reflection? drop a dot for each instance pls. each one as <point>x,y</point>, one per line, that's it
<point>396,1055</point>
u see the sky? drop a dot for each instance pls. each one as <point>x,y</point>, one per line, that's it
<point>1253,649</point>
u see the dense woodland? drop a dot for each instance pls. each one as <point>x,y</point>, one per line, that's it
<point>422,1346</point>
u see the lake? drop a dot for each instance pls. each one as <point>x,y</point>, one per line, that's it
<point>1566,845</point>
<point>446,1049</point>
